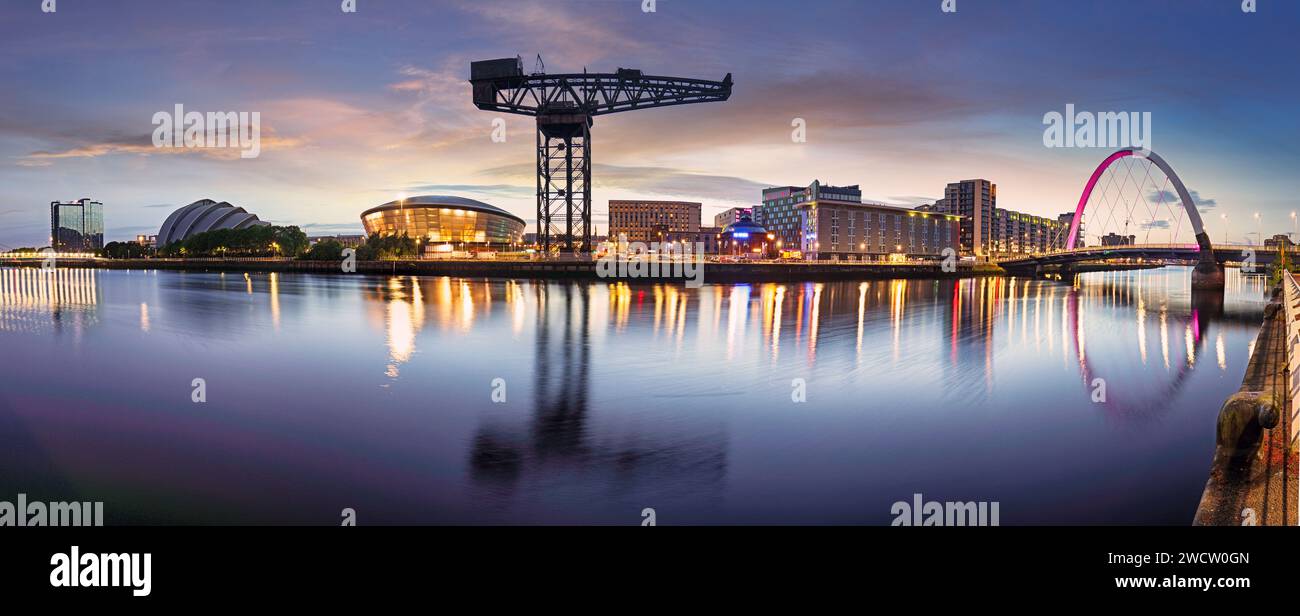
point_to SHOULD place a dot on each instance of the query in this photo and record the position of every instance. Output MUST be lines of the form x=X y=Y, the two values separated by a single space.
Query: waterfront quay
x=1253 y=477
x=713 y=271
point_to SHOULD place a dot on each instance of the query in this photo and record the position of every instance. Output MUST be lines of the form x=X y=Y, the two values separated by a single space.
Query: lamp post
x=1259 y=229
x=1225 y=227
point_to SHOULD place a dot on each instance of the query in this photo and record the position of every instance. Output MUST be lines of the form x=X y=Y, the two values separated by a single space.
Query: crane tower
x=564 y=105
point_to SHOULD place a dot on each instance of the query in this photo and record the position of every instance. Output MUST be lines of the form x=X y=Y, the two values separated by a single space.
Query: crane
x=564 y=105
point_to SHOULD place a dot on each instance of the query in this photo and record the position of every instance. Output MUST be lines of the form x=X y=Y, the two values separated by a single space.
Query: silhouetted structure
x=564 y=106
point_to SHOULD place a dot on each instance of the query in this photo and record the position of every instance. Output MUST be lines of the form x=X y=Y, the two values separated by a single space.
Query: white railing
x=1138 y=248
x=1291 y=303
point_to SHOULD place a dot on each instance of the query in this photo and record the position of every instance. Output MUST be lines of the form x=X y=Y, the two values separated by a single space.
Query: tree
x=387 y=248
x=324 y=250
x=126 y=250
x=255 y=241
x=291 y=241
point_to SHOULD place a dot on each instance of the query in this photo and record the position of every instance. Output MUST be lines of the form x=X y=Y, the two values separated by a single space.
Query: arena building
x=204 y=215
x=462 y=223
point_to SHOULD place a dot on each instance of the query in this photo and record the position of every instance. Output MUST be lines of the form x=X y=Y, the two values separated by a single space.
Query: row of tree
x=268 y=241
x=376 y=248
x=126 y=250
x=256 y=241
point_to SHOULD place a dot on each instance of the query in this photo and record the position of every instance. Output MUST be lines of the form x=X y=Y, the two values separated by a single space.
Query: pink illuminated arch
x=1193 y=215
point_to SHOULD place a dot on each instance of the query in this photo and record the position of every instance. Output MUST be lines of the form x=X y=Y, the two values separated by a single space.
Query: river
x=440 y=400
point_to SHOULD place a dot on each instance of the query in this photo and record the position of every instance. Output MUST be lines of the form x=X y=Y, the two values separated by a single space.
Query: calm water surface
x=375 y=393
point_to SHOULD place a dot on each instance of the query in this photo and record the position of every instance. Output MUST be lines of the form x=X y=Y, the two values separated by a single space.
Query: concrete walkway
x=1260 y=488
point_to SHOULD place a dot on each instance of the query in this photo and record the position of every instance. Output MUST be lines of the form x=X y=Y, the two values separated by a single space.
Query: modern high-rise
x=974 y=201
x=987 y=230
x=76 y=226
x=652 y=221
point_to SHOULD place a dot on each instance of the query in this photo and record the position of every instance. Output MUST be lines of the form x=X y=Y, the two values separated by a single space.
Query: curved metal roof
x=744 y=225
x=447 y=201
x=204 y=215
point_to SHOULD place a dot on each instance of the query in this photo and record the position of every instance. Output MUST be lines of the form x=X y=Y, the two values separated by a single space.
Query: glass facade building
x=446 y=220
x=76 y=226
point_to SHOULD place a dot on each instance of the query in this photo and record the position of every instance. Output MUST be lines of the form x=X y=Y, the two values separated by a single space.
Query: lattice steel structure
x=564 y=106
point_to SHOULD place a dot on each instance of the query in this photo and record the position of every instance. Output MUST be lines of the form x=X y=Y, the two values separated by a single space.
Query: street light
x=1259 y=229
x=1225 y=227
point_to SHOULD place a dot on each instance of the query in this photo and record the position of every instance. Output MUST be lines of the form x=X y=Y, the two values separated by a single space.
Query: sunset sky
x=899 y=97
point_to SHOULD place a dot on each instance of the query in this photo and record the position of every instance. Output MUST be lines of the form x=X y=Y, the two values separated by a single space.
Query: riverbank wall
x=1253 y=475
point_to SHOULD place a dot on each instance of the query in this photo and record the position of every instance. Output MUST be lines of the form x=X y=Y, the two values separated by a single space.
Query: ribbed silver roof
x=204 y=215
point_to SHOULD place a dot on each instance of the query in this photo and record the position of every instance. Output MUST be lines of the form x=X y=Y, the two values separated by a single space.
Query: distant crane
x=564 y=106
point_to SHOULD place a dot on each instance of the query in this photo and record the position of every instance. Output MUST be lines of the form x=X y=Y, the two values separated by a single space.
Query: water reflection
x=36 y=300
x=623 y=396
x=556 y=445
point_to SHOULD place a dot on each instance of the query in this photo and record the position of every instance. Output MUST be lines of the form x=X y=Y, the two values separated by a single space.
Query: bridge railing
x=1119 y=250
x=1291 y=300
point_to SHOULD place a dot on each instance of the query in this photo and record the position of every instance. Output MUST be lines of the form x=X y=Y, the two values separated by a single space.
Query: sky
x=897 y=96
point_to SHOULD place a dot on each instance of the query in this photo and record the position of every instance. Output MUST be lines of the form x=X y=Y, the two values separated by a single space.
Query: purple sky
x=899 y=97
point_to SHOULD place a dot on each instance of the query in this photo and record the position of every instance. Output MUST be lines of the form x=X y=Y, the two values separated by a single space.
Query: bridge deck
x=1222 y=253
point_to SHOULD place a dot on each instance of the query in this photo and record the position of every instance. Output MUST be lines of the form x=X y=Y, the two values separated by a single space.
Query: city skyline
x=360 y=109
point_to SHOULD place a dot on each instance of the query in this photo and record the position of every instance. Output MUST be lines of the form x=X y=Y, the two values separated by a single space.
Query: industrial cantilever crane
x=564 y=106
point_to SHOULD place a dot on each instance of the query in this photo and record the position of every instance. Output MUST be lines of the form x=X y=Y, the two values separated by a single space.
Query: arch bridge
x=1208 y=259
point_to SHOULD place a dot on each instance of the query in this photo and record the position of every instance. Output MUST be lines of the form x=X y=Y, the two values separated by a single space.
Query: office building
x=76 y=226
x=1281 y=240
x=1065 y=220
x=1020 y=233
x=832 y=223
x=346 y=240
x=652 y=221
x=734 y=214
x=707 y=238
x=1115 y=239
x=783 y=207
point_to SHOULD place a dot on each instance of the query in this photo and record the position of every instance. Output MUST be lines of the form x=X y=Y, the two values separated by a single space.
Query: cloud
x=1167 y=196
x=501 y=190
x=131 y=230
x=661 y=181
x=670 y=181
x=908 y=200
x=1155 y=224
x=331 y=226
x=580 y=34
x=142 y=145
